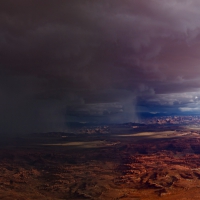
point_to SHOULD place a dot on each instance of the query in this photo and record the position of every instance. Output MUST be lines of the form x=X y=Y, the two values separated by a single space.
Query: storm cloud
x=96 y=61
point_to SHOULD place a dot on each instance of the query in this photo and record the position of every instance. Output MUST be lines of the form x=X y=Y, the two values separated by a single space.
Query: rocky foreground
x=113 y=168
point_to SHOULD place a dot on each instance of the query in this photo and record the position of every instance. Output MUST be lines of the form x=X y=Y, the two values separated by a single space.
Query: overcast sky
x=96 y=61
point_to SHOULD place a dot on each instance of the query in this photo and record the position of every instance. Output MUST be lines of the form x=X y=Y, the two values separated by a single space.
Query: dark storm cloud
x=75 y=60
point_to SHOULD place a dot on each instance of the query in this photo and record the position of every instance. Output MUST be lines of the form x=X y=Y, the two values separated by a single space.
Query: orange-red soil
x=138 y=170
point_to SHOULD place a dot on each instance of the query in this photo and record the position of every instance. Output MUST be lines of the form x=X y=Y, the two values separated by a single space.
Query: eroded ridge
x=163 y=166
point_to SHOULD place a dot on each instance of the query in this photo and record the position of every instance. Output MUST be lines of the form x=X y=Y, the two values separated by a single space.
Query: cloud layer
x=96 y=61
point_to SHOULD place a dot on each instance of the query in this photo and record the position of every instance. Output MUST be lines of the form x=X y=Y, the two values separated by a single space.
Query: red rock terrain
x=118 y=169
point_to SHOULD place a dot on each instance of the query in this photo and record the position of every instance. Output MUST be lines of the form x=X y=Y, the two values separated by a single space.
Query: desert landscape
x=125 y=162
x=100 y=100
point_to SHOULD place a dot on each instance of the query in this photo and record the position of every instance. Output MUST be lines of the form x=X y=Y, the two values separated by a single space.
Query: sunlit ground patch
x=91 y=144
x=163 y=134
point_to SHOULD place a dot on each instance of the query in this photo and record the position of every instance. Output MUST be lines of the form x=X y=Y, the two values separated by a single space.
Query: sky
x=102 y=61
